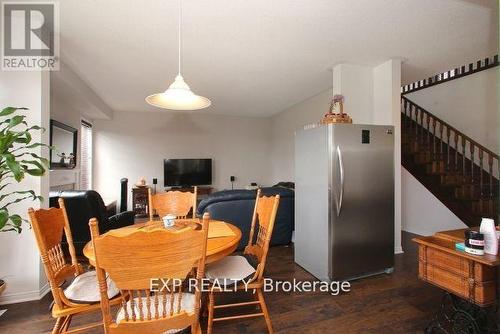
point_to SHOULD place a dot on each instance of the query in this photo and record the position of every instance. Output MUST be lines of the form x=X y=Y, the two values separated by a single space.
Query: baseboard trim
x=27 y=296
x=398 y=250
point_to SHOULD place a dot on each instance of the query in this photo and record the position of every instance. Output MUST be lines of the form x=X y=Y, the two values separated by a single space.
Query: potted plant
x=17 y=160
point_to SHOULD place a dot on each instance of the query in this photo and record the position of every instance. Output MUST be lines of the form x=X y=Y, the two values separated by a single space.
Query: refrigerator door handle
x=341 y=168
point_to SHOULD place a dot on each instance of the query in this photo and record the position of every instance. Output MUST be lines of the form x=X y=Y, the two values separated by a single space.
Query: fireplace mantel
x=64 y=179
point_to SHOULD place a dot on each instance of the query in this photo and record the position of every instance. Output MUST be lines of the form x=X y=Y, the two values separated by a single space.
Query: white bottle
x=489 y=231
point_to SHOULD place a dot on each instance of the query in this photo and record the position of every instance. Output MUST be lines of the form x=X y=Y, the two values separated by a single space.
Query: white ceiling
x=259 y=57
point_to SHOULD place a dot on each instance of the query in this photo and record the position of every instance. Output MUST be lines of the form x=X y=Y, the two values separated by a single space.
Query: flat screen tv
x=187 y=172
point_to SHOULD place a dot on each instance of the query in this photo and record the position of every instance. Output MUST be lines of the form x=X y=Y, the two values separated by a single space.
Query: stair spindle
x=490 y=165
x=405 y=108
x=471 y=162
x=456 y=151
x=448 y=148
x=421 y=126
x=441 y=129
x=411 y=117
x=428 y=120
x=481 y=173
x=463 y=158
x=434 y=139
x=416 y=123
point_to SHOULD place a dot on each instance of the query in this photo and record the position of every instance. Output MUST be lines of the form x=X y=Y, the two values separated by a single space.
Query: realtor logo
x=30 y=36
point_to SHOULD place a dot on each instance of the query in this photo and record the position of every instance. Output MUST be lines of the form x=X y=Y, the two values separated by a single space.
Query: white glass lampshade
x=178 y=96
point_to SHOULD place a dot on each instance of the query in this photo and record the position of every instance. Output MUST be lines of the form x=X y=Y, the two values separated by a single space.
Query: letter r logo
x=28 y=29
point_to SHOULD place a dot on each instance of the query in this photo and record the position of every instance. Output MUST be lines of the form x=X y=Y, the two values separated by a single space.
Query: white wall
x=134 y=145
x=470 y=104
x=355 y=83
x=283 y=127
x=20 y=263
x=422 y=212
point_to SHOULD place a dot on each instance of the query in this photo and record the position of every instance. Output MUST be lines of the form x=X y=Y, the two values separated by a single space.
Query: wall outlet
x=232 y=178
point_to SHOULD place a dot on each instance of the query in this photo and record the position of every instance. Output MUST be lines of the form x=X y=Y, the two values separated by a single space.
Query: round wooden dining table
x=220 y=243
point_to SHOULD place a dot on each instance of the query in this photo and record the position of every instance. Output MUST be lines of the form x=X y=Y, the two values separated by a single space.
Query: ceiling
x=258 y=57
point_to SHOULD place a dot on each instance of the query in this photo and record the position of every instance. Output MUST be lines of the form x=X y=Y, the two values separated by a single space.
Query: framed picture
x=64 y=140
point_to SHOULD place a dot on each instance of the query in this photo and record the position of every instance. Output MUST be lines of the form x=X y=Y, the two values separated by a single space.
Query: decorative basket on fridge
x=336 y=113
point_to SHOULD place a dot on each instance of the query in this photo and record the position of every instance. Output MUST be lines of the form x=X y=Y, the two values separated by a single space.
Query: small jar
x=474 y=242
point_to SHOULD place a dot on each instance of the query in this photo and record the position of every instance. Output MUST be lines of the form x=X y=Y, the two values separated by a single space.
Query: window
x=86 y=156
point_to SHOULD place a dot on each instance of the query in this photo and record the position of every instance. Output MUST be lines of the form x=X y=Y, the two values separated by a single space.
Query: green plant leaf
x=19 y=200
x=24 y=138
x=43 y=160
x=24 y=192
x=16 y=220
x=38 y=144
x=15 y=167
x=16 y=120
x=4 y=217
x=10 y=110
x=35 y=172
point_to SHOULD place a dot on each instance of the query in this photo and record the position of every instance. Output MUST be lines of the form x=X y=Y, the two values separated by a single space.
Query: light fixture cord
x=180 y=32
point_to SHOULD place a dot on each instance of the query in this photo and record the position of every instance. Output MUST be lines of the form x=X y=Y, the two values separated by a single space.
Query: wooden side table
x=140 y=201
x=471 y=284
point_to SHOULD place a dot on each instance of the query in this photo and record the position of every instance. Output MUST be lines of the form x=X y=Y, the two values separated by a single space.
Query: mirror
x=64 y=140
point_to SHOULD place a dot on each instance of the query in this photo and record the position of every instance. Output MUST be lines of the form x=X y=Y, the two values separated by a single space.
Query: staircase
x=460 y=172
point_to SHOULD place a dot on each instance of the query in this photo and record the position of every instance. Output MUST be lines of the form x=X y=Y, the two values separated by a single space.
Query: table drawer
x=460 y=276
x=458 y=265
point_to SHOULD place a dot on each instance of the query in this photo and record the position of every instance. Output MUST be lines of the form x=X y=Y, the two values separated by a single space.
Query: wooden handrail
x=452 y=128
x=456 y=73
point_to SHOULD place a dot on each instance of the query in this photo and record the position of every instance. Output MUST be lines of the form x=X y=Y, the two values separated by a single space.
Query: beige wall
x=133 y=145
x=283 y=126
x=470 y=104
x=20 y=263
x=422 y=212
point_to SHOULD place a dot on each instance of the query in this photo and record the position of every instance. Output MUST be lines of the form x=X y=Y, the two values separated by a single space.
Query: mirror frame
x=54 y=123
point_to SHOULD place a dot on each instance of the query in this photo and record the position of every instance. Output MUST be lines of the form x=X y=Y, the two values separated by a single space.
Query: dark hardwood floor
x=396 y=303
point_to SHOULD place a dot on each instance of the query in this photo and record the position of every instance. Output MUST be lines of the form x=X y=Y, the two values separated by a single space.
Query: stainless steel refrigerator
x=344 y=200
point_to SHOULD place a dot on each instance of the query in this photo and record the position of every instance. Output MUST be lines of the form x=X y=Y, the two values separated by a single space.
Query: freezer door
x=311 y=201
x=362 y=200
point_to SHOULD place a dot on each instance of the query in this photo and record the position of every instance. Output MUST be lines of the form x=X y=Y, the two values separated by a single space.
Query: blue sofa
x=236 y=207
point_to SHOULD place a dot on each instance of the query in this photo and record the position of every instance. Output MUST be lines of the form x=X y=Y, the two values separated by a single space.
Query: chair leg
x=196 y=329
x=66 y=323
x=211 y=309
x=265 y=311
x=58 y=325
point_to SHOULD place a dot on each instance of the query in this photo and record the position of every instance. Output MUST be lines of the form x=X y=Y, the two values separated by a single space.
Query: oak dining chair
x=136 y=260
x=175 y=202
x=82 y=294
x=249 y=268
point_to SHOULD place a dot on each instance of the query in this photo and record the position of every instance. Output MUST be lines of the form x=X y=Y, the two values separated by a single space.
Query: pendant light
x=178 y=96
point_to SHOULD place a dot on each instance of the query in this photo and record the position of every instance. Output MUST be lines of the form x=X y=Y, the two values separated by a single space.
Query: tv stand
x=202 y=190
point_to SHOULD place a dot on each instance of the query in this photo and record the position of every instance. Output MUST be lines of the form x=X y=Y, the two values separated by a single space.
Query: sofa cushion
x=237 y=206
x=242 y=194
